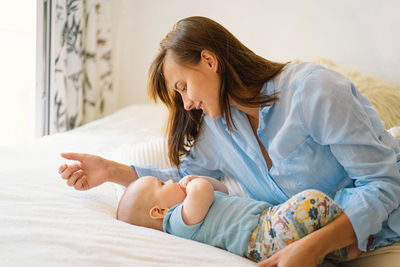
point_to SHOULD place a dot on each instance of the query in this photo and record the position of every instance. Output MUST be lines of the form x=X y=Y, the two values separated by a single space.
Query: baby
x=199 y=208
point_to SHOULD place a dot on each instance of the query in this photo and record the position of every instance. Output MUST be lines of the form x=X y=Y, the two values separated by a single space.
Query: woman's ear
x=210 y=59
x=157 y=212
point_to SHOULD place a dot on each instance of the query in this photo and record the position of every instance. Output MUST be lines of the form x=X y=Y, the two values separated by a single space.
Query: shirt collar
x=267 y=89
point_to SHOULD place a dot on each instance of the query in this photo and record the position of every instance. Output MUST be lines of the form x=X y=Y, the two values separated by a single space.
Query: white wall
x=357 y=34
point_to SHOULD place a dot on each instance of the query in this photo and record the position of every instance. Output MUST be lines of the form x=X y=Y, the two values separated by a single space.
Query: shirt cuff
x=359 y=218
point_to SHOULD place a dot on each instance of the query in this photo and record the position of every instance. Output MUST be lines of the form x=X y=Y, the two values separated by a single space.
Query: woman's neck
x=251 y=112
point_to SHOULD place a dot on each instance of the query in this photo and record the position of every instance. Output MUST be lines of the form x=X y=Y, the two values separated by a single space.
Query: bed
x=46 y=223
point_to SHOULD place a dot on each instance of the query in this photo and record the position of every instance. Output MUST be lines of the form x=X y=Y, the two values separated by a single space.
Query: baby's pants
x=301 y=215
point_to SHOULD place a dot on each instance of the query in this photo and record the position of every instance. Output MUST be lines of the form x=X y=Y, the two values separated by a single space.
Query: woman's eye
x=184 y=89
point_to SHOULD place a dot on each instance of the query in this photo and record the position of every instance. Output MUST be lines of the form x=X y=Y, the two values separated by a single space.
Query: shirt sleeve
x=330 y=109
x=204 y=157
x=164 y=174
x=174 y=224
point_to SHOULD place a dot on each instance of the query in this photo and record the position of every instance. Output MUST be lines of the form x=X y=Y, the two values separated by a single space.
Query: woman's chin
x=215 y=117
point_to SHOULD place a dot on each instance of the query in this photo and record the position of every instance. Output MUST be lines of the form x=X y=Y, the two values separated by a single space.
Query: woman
x=276 y=128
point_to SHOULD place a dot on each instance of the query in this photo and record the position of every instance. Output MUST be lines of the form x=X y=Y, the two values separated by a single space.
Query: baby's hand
x=186 y=180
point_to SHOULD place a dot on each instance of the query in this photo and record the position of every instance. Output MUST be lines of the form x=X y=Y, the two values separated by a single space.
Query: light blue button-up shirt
x=322 y=134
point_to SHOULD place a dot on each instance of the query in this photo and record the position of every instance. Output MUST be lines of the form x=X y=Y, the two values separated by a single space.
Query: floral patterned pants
x=301 y=215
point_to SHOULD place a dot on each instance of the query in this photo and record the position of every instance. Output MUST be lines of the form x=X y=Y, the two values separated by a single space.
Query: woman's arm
x=313 y=247
x=90 y=171
x=121 y=174
x=336 y=116
x=339 y=118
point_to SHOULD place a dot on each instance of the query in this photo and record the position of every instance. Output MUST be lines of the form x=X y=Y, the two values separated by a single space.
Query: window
x=18 y=71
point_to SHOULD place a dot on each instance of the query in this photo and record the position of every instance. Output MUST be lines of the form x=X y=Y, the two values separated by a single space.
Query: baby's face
x=166 y=194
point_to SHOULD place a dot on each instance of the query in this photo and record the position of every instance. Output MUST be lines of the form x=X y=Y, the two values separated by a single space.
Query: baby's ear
x=157 y=212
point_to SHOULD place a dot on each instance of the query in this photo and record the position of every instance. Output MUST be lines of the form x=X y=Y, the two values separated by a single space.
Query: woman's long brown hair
x=242 y=74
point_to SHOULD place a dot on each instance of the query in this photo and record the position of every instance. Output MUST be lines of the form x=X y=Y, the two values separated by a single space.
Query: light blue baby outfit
x=255 y=229
x=321 y=134
x=227 y=225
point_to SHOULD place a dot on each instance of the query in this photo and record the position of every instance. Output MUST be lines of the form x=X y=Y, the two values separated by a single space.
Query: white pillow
x=155 y=152
x=395 y=131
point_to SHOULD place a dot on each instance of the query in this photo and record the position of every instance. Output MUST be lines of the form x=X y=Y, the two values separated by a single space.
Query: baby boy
x=200 y=209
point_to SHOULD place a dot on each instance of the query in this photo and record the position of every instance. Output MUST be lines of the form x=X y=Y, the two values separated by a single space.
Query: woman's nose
x=188 y=103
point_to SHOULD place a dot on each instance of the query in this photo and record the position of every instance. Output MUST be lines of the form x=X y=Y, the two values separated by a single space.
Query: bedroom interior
x=46 y=223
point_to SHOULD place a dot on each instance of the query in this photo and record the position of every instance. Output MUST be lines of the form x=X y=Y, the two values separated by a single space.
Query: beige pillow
x=383 y=95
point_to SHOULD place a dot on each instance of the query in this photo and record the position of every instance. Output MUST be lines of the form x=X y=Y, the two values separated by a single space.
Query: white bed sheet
x=43 y=222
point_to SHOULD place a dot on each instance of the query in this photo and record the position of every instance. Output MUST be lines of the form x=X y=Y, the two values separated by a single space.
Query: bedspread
x=43 y=222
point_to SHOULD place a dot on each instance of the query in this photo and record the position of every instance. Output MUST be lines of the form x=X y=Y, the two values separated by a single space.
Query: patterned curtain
x=80 y=63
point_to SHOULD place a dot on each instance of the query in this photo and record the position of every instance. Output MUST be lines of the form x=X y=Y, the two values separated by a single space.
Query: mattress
x=43 y=222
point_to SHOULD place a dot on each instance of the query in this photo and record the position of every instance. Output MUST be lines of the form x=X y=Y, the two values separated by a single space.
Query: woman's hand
x=89 y=172
x=297 y=254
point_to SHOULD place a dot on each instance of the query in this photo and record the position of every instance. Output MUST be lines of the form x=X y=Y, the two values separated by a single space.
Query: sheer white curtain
x=80 y=63
x=17 y=71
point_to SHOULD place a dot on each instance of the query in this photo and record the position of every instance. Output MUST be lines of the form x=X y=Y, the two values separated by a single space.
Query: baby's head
x=147 y=200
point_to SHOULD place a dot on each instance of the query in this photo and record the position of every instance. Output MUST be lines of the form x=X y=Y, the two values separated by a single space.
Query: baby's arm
x=199 y=197
x=217 y=185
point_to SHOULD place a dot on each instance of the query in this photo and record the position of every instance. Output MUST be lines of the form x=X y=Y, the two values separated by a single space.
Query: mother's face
x=198 y=85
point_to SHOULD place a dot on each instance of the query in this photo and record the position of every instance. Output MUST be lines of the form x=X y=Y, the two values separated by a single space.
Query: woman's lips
x=202 y=106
